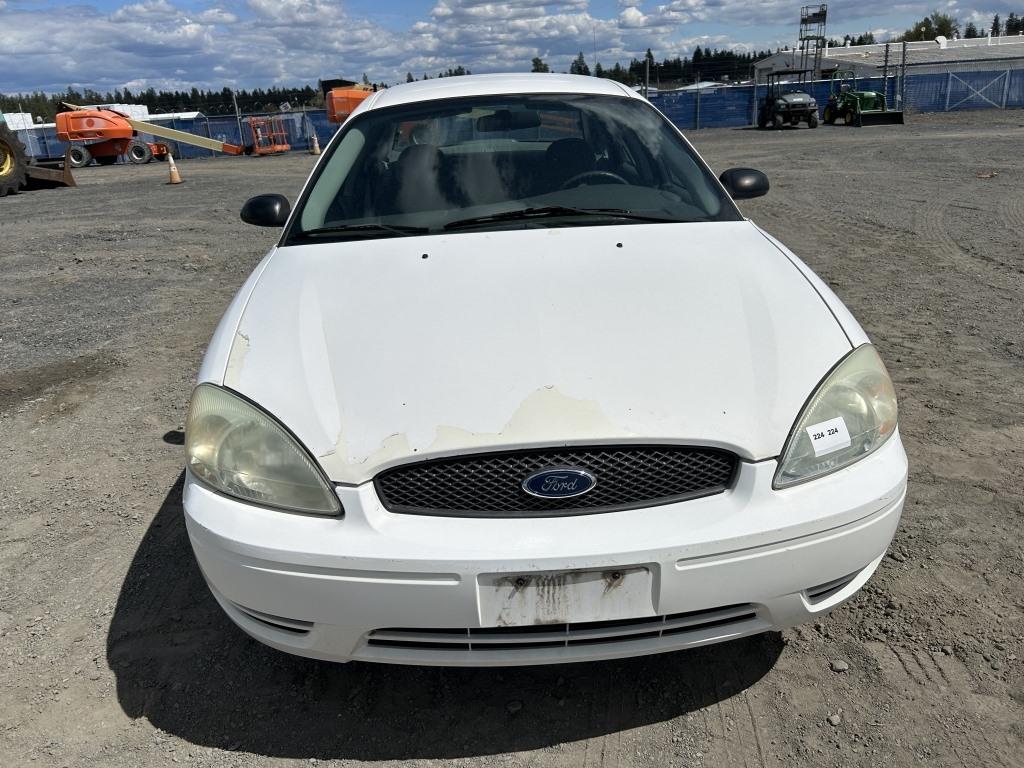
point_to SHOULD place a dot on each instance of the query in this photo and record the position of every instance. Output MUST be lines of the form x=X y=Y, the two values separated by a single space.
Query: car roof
x=493 y=85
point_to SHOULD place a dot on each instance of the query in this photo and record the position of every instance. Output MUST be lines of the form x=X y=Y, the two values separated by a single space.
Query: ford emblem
x=559 y=483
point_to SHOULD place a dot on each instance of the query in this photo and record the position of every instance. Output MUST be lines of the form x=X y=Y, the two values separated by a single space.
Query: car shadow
x=180 y=663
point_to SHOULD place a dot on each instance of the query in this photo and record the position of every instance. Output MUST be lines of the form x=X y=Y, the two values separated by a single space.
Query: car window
x=427 y=167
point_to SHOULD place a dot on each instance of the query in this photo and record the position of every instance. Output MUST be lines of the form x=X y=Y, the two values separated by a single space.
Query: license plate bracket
x=564 y=597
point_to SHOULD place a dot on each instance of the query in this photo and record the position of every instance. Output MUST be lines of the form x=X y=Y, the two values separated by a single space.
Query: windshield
x=501 y=162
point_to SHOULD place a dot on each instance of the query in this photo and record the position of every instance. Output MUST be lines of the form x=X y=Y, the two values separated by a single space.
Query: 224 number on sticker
x=829 y=436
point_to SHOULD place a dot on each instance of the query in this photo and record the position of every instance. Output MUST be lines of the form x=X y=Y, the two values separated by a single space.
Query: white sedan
x=519 y=384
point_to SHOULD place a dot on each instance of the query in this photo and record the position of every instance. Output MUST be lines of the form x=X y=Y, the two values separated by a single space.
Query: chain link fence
x=925 y=83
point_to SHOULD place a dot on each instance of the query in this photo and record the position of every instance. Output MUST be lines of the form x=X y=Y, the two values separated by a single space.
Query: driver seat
x=566 y=158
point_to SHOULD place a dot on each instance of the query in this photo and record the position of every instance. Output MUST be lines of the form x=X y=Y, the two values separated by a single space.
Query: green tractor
x=853 y=107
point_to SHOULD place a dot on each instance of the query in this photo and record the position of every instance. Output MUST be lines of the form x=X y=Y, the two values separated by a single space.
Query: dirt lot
x=113 y=652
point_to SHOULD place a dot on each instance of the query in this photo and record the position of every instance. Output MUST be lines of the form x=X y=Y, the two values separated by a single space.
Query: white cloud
x=148 y=10
x=216 y=16
x=287 y=42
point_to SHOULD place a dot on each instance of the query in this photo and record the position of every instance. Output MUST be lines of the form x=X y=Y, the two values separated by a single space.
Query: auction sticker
x=829 y=436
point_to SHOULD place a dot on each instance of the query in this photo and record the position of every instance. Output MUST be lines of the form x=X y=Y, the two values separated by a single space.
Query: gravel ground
x=113 y=652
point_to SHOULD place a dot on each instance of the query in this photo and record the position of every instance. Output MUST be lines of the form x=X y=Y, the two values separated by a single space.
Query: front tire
x=80 y=156
x=829 y=116
x=139 y=153
x=13 y=162
x=849 y=117
x=778 y=121
x=812 y=120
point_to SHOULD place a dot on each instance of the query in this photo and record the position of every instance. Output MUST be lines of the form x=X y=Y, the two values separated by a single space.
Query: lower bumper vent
x=491 y=639
x=292 y=626
x=823 y=592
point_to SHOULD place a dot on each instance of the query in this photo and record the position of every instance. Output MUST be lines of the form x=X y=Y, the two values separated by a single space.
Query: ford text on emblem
x=559 y=483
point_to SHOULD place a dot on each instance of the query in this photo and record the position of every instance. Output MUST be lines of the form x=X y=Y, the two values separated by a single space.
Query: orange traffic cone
x=175 y=176
x=316 y=146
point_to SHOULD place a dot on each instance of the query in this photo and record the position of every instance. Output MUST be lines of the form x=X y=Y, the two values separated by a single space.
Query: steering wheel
x=580 y=177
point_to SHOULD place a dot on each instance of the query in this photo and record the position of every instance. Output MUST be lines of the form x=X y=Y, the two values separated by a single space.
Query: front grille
x=493 y=639
x=490 y=484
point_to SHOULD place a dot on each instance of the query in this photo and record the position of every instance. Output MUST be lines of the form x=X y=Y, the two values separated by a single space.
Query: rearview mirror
x=507 y=120
x=743 y=183
x=266 y=210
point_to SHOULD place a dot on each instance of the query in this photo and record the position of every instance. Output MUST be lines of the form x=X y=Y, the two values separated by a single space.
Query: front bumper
x=377 y=586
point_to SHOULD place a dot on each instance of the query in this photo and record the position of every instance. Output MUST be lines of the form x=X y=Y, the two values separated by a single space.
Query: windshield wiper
x=552 y=211
x=367 y=229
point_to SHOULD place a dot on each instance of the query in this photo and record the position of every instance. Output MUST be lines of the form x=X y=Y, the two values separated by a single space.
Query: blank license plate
x=562 y=597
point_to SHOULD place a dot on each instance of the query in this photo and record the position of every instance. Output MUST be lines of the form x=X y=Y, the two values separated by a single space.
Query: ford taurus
x=519 y=384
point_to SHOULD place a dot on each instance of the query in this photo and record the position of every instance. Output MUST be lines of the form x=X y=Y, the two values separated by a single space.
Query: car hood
x=375 y=353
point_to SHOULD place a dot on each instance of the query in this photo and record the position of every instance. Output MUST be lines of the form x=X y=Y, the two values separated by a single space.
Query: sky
x=48 y=45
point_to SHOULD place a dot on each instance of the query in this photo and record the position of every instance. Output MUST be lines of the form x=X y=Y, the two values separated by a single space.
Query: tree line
x=704 y=64
x=938 y=23
x=209 y=102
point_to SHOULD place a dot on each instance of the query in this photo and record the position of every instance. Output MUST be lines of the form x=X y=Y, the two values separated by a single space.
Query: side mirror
x=743 y=183
x=266 y=210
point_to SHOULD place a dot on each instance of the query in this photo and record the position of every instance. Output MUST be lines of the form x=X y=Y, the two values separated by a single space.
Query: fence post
x=696 y=116
x=885 y=77
x=238 y=117
x=903 y=77
x=209 y=135
x=181 y=148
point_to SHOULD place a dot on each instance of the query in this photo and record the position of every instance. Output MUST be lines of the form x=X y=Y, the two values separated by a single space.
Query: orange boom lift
x=342 y=102
x=105 y=134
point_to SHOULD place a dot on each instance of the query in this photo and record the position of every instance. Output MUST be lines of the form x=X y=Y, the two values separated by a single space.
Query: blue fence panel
x=977 y=90
x=1015 y=90
x=718 y=107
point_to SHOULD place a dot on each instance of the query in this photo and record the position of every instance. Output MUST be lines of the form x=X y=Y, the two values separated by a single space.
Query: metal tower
x=812 y=36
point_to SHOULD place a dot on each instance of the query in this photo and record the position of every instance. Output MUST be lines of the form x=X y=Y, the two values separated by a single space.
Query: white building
x=930 y=56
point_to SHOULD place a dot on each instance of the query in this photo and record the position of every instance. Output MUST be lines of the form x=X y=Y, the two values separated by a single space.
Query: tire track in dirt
x=736 y=737
x=930 y=222
x=1012 y=209
x=923 y=677
x=604 y=751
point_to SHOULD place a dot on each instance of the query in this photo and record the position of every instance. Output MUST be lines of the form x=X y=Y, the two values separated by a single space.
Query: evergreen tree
x=931 y=27
x=579 y=66
x=996 y=26
x=539 y=65
x=971 y=31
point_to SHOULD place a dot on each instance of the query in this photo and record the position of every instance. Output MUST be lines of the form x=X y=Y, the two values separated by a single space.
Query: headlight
x=851 y=414
x=237 y=449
